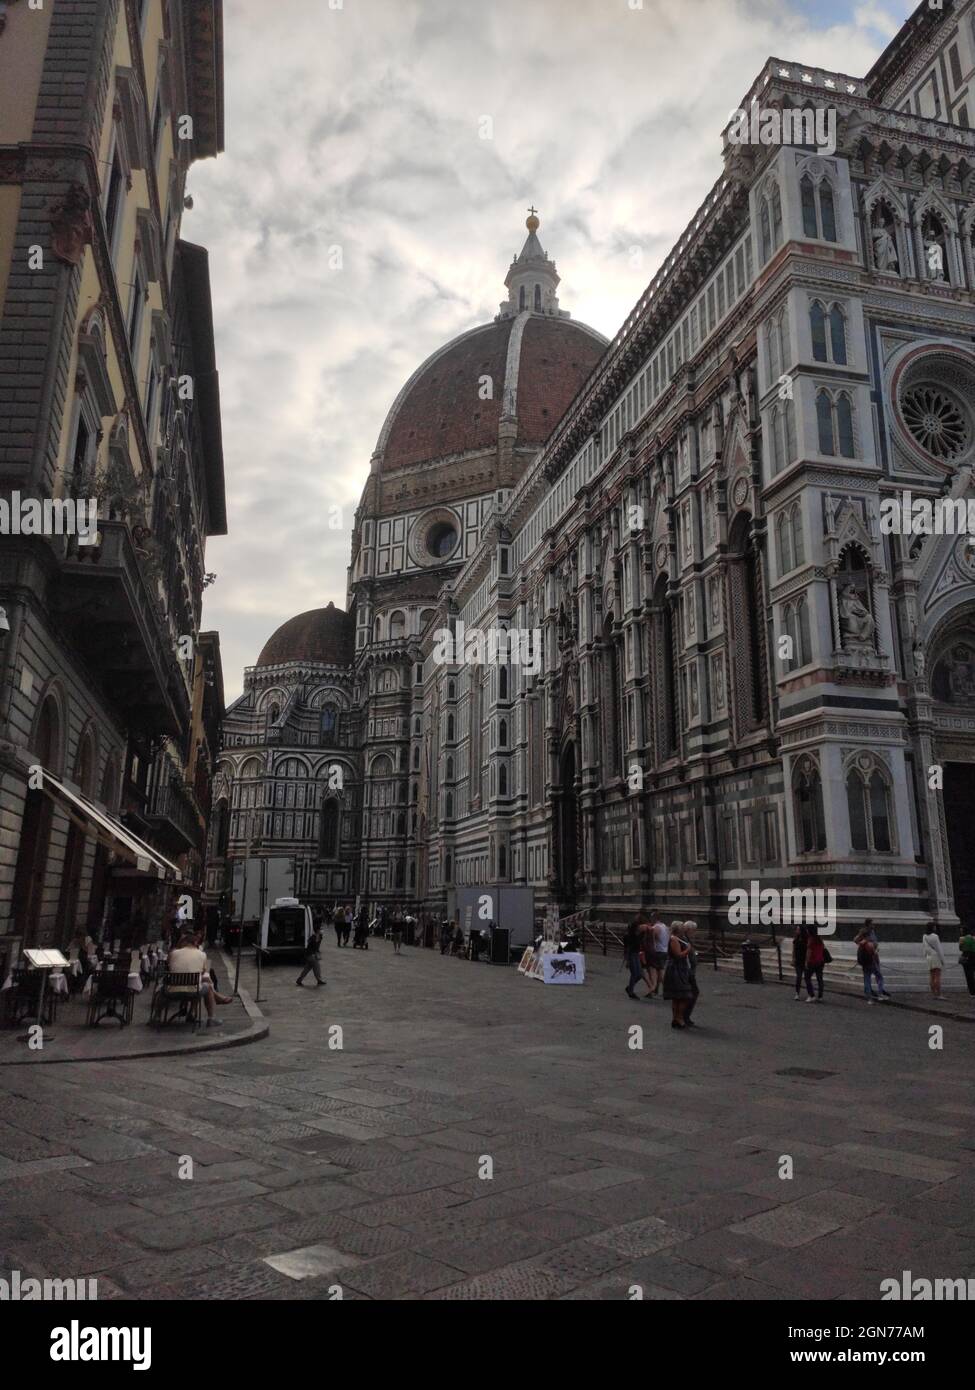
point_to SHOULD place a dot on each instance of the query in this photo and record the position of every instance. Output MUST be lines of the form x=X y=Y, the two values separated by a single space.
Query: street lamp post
x=243 y=898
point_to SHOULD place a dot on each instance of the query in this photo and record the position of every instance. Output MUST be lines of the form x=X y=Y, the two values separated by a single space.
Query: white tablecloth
x=58 y=983
x=134 y=984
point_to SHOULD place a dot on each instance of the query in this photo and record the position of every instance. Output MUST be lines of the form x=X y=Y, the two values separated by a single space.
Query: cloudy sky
x=360 y=125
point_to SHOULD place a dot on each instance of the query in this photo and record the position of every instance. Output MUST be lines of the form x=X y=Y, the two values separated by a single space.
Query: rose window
x=936 y=421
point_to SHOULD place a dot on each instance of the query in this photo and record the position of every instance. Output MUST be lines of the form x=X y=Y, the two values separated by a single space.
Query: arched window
x=377 y=628
x=771 y=220
x=798 y=544
x=818 y=209
x=416 y=759
x=868 y=803
x=502 y=780
x=522 y=300
x=538 y=299
x=778 y=331
x=795 y=620
x=503 y=683
x=665 y=682
x=837 y=335
x=330 y=829
x=503 y=734
x=807 y=790
x=817 y=323
x=397 y=625
x=451 y=691
x=783 y=534
x=450 y=728
x=844 y=425
x=810 y=222
x=329 y=726
x=450 y=769
x=449 y=805
x=448 y=863
x=824 y=422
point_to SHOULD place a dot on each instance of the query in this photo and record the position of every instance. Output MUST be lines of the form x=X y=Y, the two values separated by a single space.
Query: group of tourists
x=665 y=960
x=810 y=956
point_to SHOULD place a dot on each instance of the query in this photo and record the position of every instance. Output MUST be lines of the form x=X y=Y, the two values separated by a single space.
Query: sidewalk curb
x=260 y=1028
x=845 y=992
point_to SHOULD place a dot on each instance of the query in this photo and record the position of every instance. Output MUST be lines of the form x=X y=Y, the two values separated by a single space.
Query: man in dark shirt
x=311 y=957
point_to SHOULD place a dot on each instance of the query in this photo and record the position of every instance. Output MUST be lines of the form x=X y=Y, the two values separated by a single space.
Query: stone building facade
x=109 y=695
x=738 y=669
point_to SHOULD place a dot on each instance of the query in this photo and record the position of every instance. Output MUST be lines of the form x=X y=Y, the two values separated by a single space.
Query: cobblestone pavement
x=361 y=1169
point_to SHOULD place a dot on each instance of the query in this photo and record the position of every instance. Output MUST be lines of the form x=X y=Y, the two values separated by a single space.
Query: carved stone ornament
x=71 y=225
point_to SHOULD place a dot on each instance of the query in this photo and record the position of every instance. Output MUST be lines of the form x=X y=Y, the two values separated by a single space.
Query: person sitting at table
x=186 y=958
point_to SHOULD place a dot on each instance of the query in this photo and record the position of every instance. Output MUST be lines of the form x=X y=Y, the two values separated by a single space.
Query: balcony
x=173 y=815
x=110 y=614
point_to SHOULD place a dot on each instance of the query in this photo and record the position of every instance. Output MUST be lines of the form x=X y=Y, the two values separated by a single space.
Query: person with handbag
x=966 y=958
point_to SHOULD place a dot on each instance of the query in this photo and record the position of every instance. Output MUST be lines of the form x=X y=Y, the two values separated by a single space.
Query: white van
x=286 y=929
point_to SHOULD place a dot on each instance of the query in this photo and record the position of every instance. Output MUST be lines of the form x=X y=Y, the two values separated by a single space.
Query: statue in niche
x=934 y=248
x=884 y=246
x=857 y=626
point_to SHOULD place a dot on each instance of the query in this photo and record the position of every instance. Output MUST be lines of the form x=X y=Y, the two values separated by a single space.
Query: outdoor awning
x=106 y=828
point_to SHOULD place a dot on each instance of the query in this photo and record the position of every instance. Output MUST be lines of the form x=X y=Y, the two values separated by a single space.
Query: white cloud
x=359 y=128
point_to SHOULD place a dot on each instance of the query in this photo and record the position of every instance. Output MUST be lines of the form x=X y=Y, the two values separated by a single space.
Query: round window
x=937 y=421
x=441 y=540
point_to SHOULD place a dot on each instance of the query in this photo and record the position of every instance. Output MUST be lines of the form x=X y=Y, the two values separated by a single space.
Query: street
x=424 y=1127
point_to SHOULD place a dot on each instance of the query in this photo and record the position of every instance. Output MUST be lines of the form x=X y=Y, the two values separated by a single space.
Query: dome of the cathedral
x=323 y=635
x=523 y=369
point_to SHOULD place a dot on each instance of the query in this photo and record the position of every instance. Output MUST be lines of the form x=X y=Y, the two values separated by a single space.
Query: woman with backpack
x=966 y=958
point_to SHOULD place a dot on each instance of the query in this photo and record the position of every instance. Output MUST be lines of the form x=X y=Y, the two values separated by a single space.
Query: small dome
x=323 y=635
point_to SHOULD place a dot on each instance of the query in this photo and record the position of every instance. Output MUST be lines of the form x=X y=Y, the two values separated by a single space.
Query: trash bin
x=501 y=946
x=751 y=959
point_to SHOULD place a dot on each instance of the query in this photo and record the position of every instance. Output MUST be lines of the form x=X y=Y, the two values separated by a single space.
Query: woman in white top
x=935 y=957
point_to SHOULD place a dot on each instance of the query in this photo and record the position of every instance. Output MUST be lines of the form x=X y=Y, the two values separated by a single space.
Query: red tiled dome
x=440 y=412
x=322 y=635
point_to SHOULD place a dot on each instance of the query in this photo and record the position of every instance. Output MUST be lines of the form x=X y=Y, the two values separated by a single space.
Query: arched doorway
x=74 y=850
x=568 y=823
x=35 y=830
x=953 y=692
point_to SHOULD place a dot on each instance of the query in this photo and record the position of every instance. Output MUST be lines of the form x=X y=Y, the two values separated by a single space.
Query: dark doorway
x=35 y=832
x=959 y=804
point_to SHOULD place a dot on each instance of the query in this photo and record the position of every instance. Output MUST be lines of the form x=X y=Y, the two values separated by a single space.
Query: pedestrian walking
x=396 y=931
x=635 y=943
x=446 y=934
x=312 y=965
x=360 y=936
x=816 y=954
x=966 y=958
x=677 y=977
x=935 y=957
x=659 y=945
x=687 y=936
x=868 y=959
x=799 y=943
x=350 y=916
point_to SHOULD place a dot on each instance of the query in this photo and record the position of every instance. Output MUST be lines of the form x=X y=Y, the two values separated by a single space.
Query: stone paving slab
x=616 y=1173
